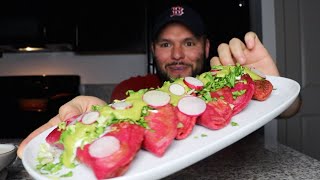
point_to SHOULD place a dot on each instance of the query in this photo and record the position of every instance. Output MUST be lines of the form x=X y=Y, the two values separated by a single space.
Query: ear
x=207 y=48
x=152 y=48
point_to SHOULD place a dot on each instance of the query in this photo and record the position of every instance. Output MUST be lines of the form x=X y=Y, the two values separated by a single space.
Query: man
x=179 y=46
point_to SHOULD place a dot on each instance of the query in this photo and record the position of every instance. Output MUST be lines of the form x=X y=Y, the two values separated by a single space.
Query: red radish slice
x=79 y=118
x=177 y=89
x=90 y=117
x=104 y=146
x=193 y=83
x=74 y=119
x=156 y=98
x=214 y=71
x=259 y=73
x=192 y=105
x=191 y=92
x=121 y=105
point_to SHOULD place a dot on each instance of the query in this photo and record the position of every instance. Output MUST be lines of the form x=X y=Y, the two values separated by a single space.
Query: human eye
x=164 y=44
x=189 y=43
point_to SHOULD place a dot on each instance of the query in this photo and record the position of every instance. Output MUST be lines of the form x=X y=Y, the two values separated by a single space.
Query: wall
x=93 y=69
x=298 y=39
x=99 y=73
x=269 y=41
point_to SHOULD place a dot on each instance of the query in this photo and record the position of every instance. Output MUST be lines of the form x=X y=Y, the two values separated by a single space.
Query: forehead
x=174 y=27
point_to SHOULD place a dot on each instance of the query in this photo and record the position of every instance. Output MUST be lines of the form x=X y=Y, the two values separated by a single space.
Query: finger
x=52 y=122
x=215 y=61
x=237 y=48
x=78 y=105
x=224 y=54
x=69 y=110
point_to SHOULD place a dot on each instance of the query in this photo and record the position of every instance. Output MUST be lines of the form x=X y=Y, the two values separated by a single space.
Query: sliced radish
x=259 y=73
x=74 y=119
x=104 y=147
x=79 y=118
x=90 y=117
x=214 y=71
x=192 y=105
x=177 y=89
x=193 y=83
x=121 y=105
x=191 y=92
x=156 y=98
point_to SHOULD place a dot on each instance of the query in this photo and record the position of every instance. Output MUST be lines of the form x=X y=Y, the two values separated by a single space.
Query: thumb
x=68 y=111
x=215 y=61
x=77 y=106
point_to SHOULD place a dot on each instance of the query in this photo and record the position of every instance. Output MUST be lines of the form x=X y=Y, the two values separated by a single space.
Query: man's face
x=178 y=53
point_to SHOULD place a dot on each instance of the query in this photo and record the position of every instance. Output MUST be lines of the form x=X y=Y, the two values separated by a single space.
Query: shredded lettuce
x=48 y=160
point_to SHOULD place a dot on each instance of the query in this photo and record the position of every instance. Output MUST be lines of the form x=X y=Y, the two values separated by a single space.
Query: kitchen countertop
x=245 y=159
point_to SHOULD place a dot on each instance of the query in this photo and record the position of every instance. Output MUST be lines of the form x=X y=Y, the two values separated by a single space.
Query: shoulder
x=135 y=83
x=141 y=82
x=152 y=77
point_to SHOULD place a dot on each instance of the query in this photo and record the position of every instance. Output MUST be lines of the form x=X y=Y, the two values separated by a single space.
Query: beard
x=164 y=76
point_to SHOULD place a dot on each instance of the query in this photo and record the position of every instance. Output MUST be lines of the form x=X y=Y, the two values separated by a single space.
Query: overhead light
x=241 y=3
x=29 y=49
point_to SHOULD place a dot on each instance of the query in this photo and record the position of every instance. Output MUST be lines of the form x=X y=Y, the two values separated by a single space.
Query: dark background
x=110 y=28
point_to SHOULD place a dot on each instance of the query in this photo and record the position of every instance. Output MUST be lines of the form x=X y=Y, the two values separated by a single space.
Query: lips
x=177 y=67
x=176 y=71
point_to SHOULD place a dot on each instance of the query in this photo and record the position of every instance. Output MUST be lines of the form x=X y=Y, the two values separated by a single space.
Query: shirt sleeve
x=134 y=83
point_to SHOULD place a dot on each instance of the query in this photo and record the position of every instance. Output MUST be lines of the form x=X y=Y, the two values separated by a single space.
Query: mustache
x=177 y=63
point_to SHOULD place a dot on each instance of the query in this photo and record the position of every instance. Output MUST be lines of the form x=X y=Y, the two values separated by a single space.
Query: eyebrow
x=186 y=39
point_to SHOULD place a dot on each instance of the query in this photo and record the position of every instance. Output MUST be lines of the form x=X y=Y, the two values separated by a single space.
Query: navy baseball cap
x=182 y=14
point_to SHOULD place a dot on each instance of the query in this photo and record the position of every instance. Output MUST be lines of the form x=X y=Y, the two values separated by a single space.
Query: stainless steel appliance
x=27 y=102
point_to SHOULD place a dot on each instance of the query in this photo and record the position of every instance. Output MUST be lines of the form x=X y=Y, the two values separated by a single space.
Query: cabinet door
x=21 y=23
x=298 y=58
x=115 y=28
x=60 y=24
x=36 y=23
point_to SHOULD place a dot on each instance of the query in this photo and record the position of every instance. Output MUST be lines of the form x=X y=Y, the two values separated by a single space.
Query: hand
x=250 y=53
x=76 y=106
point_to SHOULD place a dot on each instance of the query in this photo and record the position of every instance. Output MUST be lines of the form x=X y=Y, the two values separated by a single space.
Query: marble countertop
x=245 y=159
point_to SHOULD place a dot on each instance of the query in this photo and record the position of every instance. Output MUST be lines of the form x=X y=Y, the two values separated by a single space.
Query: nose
x=177 y=53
